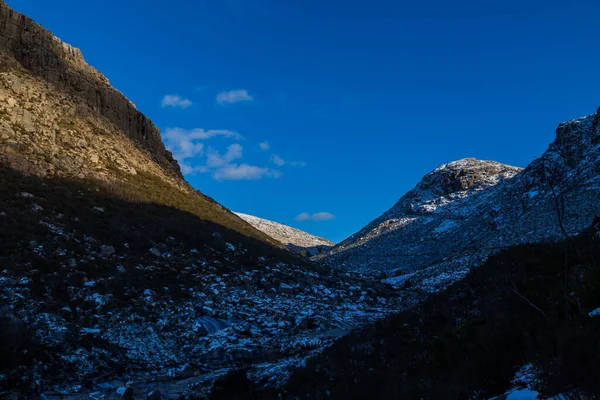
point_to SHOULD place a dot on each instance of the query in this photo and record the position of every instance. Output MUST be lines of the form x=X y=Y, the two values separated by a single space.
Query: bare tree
x=555 y=176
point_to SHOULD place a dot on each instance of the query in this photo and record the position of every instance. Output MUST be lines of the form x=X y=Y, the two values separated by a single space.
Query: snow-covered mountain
x=295 y=239
x=463 y=211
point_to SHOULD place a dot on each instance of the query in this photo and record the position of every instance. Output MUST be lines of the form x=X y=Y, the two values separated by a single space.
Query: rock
x=154 y=395
x=186 y=371
x=125 y=392
x=27 y=195
x=285 y=288
x=155 y=252
x=13 y=333
x=33 y=244
x=107 y=251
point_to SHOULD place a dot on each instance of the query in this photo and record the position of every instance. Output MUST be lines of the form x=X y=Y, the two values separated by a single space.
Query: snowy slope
x=464 y=211
x=295 y=239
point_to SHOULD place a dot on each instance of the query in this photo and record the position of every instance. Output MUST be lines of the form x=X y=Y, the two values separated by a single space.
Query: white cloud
x=302 y=217
x=188 y=169
x=234 y=172
x=196 y=158
x=275 y=159
x=233 y=96
x=215 y=160
x=174 y=101
x=265 y=146
x=297 y=163
x=186 y=143
x=320 y=216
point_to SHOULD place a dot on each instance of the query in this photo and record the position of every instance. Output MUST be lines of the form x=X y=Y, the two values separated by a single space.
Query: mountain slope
x=476 y=339
x=445 y=226
x=116 y=272
x=60 y=117
x=294 y=239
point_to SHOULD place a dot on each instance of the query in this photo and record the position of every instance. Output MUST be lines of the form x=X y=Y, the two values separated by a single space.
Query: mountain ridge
x=295 y=239
x=59 y=116
x=63 y=65
x=426 y=235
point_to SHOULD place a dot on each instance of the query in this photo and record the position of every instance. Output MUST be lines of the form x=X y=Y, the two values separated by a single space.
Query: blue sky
x=321 y=114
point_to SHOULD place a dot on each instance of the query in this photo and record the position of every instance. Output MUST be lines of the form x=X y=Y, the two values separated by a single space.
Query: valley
x=119 y=279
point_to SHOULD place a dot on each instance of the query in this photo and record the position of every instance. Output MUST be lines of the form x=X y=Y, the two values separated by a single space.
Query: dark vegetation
x=92 y=216
x=145 y=187
x=136 y=215
x=468 y=341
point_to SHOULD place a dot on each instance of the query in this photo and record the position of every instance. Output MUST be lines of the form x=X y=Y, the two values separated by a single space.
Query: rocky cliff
x=466 y=210
x=63 y=67
x=59 y=117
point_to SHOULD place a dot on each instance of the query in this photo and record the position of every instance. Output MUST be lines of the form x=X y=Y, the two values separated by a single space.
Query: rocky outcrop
x=463 y=211
x=63 y=66
x=295 y=239
x=60 y=118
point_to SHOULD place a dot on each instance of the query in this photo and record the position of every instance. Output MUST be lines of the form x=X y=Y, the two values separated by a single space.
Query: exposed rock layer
x=63 y=66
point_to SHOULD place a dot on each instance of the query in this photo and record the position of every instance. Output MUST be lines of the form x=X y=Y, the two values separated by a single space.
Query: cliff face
x=60 y=118
x=39 y=52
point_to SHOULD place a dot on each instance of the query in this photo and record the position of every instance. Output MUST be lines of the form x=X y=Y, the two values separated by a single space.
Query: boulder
x=107 y=251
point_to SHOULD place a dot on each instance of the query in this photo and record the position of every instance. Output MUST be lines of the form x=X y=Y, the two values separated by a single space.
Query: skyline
x=322 y=116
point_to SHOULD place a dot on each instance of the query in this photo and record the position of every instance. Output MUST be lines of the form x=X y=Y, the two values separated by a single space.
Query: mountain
x=60 y=117
x=463 y=211
x=518 y=325
x=116 y=275
x=295 y=239
x=120 y=280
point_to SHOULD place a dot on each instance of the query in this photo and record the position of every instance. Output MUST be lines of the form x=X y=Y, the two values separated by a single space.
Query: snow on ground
x=294 y=238
x=176 y=314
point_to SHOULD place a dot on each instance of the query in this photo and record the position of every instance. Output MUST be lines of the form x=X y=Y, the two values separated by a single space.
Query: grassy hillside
x=137 y=212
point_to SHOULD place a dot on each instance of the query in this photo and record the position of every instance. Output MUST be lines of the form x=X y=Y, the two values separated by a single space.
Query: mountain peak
x=452 y=181
x=467 y=173
x=465 y=210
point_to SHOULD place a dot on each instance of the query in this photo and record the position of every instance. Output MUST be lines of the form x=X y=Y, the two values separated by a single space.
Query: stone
x=284 y=288
x=155 y=252
x=154 y=395
x=13 y=332
x=186 y=371
x=107 y=251
x=125 y=392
